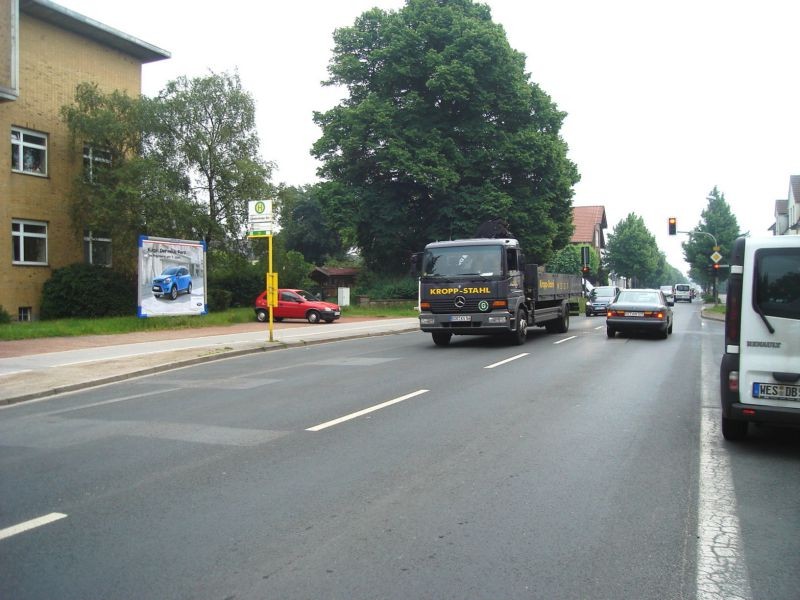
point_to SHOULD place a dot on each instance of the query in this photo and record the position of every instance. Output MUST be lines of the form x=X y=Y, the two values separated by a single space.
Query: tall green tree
x=441 y=131
x=718 y=223
x=206 y=136
x=568 y=260
x=304 y=226
x=632 y=251
x=122 y=191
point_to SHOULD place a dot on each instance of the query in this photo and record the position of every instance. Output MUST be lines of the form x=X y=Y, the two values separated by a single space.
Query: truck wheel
x=562 y=325
x=733 y=430
x=441 y=338
x=520 y=335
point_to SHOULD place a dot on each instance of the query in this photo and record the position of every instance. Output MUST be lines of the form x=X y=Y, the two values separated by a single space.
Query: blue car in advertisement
x=173 y=281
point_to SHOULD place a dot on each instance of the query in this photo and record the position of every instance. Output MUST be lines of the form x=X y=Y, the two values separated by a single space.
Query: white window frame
x=20 y=236
x=91 y=157
x=20 y=143
x=92 y=239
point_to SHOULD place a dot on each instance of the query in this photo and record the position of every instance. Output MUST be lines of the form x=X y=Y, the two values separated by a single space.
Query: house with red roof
x=589 y=221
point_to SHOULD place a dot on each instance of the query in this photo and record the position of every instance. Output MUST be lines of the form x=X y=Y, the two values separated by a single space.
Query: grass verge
x=113 y=325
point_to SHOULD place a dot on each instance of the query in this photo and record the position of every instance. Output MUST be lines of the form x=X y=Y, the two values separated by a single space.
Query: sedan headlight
x=326 y=309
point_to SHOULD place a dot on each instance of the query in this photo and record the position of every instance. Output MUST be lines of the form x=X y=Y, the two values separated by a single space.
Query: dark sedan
x=639 y=311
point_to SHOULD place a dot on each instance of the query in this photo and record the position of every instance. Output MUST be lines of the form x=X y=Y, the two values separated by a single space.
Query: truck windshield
x=455 y=261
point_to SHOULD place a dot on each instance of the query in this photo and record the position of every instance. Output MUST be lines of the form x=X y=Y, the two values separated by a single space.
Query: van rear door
x=769 y=363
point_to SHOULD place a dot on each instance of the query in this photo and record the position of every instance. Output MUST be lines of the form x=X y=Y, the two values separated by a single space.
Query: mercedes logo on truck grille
x=460 y=301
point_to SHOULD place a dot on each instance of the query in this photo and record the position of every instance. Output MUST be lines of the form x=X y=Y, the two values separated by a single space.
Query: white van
x=683 y=292
x=760 y=370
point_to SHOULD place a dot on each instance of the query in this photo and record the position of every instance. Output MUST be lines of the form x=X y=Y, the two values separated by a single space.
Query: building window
x=24 y=313
x=93 y=160
x=96 y=249
x=30 y=242
x=28 y=151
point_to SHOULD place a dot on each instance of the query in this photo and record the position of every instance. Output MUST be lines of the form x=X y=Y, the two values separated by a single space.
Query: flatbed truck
x=482 y=286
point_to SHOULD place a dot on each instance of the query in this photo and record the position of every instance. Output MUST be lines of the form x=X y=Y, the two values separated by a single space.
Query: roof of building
x=64 y=18
x=585 y=219
x=337 y=271
x=794 y=187
x=781 y=207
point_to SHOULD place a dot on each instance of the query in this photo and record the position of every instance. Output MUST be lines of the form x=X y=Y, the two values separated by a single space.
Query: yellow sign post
x=260 y=223
x=272 y=286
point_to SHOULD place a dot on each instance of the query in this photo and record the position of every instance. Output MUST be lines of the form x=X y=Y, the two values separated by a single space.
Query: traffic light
x=673 y=225
x=716 y=267
x=584 y=269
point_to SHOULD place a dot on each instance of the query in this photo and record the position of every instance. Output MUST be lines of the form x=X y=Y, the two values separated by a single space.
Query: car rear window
x=776 y=282
x=682 y=288
x=638 y=297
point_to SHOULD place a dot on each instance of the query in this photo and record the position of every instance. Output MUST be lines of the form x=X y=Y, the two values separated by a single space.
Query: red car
x=297 y=304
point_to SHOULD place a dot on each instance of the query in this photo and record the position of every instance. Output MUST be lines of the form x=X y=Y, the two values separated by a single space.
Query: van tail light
x=733 y=381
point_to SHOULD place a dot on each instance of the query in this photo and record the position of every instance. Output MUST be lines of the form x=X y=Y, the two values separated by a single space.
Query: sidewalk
x=32 y=369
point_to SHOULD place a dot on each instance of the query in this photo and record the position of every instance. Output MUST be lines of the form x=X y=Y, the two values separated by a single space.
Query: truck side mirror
x=416 y=262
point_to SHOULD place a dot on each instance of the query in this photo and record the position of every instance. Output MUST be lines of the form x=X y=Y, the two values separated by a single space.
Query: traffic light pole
x=673 y=229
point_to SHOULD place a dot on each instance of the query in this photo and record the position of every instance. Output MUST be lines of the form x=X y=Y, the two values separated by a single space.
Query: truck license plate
x=461 y=317
x=776 y=391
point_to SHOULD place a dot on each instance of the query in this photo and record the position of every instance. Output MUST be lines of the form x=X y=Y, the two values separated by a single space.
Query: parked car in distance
x=297 y=304
x=669 y=294
x=639 y=311
x=683 y=292
x=172 y=281
x=760 y=369
x=599 y=298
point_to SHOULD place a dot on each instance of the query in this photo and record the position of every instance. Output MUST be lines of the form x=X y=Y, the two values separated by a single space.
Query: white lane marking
x=600 y=327
x=354 y=415
x=32 y=524
x=572 y=337
x=508 y=360
x=721 y=567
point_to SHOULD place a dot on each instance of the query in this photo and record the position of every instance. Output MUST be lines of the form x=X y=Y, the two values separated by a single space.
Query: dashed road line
x=360 y=413
x=508 y=360
x=32 y=524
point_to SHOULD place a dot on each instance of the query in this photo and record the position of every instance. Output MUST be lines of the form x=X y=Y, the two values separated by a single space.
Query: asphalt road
x=385 y=467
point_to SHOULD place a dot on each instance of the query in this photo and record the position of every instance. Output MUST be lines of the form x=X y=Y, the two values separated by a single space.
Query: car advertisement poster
x=172 y=277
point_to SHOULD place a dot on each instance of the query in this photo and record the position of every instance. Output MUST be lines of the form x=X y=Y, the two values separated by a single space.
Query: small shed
x=330 y=279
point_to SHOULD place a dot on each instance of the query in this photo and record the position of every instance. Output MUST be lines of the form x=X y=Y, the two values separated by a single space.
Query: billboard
x=172 y=277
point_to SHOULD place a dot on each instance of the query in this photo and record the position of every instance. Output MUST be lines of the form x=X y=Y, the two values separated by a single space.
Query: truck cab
x=481 y=286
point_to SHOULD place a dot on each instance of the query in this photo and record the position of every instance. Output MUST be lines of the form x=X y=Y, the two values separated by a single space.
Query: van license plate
x=461 y=317
x=776 y=391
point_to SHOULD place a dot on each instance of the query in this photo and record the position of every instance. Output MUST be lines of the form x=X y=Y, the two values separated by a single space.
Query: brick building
x=45 y=51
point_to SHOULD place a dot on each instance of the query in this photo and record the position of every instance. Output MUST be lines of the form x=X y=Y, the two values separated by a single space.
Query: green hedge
x=82 y=290
x=393 y=288
x=243 y=284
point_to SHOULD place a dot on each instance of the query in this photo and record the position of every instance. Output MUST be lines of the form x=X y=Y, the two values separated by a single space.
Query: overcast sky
x=664 y=100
